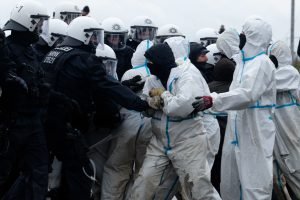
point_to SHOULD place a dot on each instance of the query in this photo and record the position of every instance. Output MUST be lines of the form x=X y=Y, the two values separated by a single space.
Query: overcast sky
x=189 y=15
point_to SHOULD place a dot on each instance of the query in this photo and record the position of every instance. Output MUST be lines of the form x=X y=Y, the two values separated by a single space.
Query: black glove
x=133 y=83
x=202 y=103
x=16 y=82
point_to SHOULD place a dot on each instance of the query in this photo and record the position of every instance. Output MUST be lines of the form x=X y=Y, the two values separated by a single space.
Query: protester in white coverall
x=170 y=184
x=179 y=136
x=248 y=147
x=180 y=48
x=129 y=147
x=287 y=117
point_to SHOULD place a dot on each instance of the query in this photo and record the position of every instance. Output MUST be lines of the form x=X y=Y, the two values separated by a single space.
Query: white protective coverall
x=170 y=184
x=180 y=49
x=129 y=147
x=287 y=118
x=247 y=170
x=179 y=137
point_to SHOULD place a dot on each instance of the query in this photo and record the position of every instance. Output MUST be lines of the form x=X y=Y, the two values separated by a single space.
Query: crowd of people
x=94 y=110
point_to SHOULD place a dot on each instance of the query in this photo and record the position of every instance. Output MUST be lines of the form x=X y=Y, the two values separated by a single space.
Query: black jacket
x=132 y=43
x=41 y=48
x=124 y=60
x=27 y=67
x=206 y=69
x=223 y=73
x=80 y=76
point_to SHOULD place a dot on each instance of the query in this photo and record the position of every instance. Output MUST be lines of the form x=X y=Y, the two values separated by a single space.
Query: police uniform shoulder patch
x=65 y=49
x=52 y=55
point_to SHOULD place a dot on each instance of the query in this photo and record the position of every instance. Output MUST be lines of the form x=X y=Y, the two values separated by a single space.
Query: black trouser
x=216 y=169
x=28 y=145
x=74 y=184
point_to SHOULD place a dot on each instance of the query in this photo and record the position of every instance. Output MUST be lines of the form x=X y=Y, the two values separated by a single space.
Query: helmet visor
x=116 y=41
x=42 y=28
x=161 y=39
x=96 y=39
x=111 y=67
x=144 y=33
x=208 y=41
x=68 y=16
x=40 y=24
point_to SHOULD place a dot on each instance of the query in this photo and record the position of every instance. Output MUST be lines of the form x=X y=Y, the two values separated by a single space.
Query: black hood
x=163 y=61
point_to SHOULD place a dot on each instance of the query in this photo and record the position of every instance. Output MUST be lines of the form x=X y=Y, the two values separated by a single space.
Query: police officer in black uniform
x=51 y=37
x=77 y=77
x=141 y=28
x=115 y=37
x=21 y=108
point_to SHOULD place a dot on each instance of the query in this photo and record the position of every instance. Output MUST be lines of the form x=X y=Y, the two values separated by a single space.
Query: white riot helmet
x=167 y=31
x=88 y=31
x=109 y=60
x=28 y=15
x=57 y=31
x=66 y=11
x=214 y=54
x=142 y=28
x=206 y=36
x=115 y=33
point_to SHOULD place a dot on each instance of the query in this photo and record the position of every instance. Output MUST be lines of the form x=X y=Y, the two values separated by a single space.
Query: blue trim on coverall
x=236 y=141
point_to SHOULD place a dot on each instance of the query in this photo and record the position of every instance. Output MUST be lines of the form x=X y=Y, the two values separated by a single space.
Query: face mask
x=153 y=68
x=274 y=60
x=242 y=40
x=161 y=72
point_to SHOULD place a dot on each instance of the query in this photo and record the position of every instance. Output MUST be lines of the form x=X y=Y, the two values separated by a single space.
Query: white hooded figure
x=247 y=155
x=287 y=117
x=179 y=138
x=170 y=185
x=180 y=48
x=128 y=149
